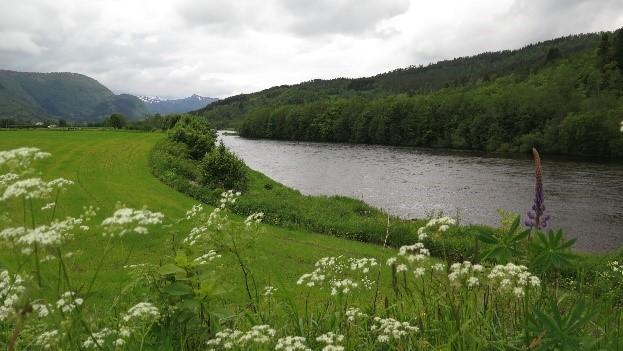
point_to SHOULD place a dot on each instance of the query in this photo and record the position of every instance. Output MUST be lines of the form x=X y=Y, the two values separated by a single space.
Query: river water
x=583 y=198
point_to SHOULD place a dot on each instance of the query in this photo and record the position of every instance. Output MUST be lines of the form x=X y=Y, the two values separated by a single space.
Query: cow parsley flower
x=292 y=343
x=142 y=312
x=465 y=274
x=53 y=234
x=353 y=314
x=48 y=340
x=194 y=211
x=435 y=227
x=12 y=290
x=254 y=218
x=513 y=279
x=339 y=274
x=31 y=188
x=269 y=291
x=207 y=258
x=226 y=339
x=68 y=302
x=127 y=220
x=48 y=206
x=8 y=178
x=99 y=338
x=22 y=158
x=331 y=341
x=389 y=329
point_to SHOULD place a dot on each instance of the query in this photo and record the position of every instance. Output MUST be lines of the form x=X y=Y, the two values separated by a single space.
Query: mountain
x=412 y=80
x=167 y=106
x=61 y=95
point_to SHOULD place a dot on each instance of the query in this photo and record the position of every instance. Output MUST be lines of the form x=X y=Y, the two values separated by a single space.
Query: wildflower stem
x=99 y=265
x=55 y=204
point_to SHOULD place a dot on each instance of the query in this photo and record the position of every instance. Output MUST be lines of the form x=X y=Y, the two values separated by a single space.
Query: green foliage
x=75 y=97
x=570 y=107
x=196 y=134
x=155 y=123
x=458 y=72
x=507 y=247
x=551 y=252
x=116 y=121
x=222 y=169
x=553 y=330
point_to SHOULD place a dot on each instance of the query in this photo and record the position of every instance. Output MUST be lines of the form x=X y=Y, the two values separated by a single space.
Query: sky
x=219 y=48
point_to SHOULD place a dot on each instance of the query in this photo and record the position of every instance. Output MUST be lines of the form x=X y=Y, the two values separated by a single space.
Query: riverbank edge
x=456 y=245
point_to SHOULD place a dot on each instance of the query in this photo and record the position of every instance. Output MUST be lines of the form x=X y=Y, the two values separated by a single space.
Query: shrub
x=221 y=168
x=196 y=133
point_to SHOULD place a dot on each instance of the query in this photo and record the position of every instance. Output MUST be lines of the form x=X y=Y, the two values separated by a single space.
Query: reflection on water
x=585 y=199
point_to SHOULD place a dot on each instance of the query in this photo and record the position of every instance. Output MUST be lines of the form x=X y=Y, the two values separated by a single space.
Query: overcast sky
x=223 y=47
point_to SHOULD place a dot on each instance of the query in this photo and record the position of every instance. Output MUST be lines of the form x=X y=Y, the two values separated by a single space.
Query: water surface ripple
x=585 y=199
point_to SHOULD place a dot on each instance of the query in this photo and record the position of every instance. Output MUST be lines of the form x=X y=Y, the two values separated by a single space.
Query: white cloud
x=222 y=47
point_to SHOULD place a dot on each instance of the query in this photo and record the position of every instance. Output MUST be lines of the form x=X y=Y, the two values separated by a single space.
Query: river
x=583 y=198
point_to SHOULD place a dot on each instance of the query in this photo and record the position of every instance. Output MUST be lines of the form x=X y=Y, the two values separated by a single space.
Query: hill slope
x=61 y=95
x=461 y=71
x=164 y=107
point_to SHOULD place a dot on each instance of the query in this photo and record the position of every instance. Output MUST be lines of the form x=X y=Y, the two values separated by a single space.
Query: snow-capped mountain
x=164 y=106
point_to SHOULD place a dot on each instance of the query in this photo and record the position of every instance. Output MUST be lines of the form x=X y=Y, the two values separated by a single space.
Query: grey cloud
x=342 y=16
x=221 y=47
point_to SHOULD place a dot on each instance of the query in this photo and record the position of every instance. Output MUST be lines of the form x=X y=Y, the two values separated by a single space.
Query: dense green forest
x=412 y=80
x=562 y=96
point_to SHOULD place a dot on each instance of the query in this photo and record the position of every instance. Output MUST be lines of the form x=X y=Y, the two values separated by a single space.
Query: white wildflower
x=143 y=312
x=227 y=339
x=48 y=206
x=354 y=313
x=123 y=220
x=254 y=218
x=48 y=340
x=31 y=188
x=292 y=343
x=269 y=291
x=194 y=211
x=207 y=258
x=389 y=328
x=331 y=341
x=21 y=158
x=68 y=302
x=11 y=292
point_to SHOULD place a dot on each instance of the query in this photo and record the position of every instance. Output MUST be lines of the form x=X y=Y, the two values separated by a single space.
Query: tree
x=116 y=120
x=62 y=123
x=618 y=48
x=553 y=54
x=604 y=49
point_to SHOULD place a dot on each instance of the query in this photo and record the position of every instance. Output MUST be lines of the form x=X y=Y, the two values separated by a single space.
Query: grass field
x=112 y=167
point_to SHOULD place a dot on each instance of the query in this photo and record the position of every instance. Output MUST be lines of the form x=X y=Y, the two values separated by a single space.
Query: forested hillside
x=36 y=96
x=568 y=102
x=458 y=72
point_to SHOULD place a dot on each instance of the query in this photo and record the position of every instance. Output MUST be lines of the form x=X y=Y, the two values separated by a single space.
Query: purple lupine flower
x=537 y=218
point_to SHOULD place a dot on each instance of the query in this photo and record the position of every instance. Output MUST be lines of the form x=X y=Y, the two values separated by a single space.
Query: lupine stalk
x=537 y=219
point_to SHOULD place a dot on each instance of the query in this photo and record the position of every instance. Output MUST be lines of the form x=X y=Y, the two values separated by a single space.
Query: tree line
x=571 y=106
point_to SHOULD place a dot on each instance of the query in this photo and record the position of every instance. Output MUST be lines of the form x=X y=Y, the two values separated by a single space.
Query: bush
x=221 y=168
x=196 y=133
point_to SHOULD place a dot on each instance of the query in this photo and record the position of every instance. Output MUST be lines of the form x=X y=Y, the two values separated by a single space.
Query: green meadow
x=111 y=168
x=211 y=279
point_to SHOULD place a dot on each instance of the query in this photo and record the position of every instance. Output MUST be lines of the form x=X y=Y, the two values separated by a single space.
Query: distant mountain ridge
x=61 y=95
x=165 y=106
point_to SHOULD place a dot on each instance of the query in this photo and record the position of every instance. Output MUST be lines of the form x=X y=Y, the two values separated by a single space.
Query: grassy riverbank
x=344 y=287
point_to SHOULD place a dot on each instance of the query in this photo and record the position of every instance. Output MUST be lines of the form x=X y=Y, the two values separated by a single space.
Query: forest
x=570 y=105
